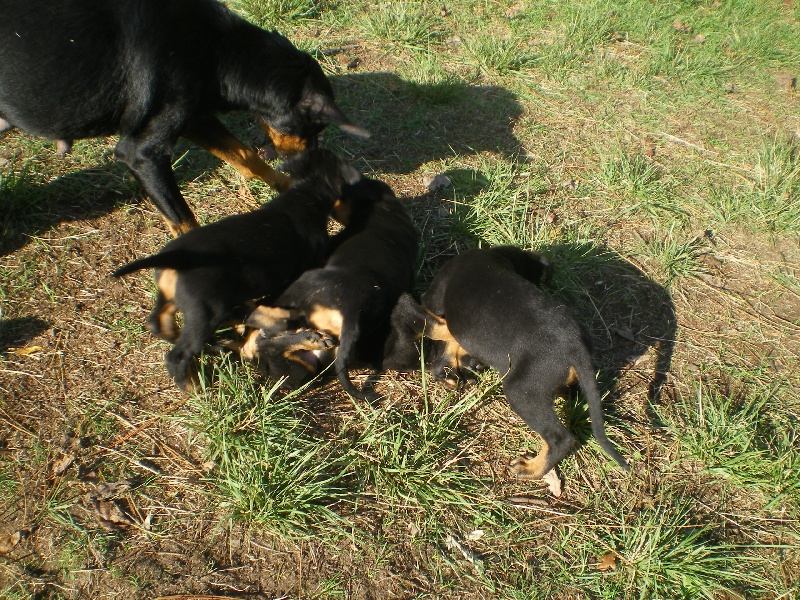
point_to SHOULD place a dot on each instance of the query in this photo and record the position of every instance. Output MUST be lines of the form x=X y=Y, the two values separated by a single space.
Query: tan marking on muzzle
x=285 y=143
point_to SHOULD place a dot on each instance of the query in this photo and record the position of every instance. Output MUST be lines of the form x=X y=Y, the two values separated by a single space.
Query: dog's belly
x=61 y=68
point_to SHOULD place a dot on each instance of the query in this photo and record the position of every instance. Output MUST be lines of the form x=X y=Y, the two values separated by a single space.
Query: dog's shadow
x=30 y=206
x=629 y=317
x=413 y=124
x=18 y=332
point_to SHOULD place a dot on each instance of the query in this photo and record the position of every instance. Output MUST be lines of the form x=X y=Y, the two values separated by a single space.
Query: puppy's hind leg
x=5 y=125
x=200 y=322
x=534 y=403
x=347 y=343
x=161 y=322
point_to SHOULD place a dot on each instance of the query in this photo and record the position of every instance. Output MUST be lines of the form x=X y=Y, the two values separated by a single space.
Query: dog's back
x=495 y=310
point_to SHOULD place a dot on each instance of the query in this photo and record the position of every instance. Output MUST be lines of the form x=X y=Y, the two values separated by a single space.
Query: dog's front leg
x=151 y=165
x=212 y=135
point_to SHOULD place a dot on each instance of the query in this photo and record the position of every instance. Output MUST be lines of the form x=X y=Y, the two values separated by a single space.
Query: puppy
x=351 y=298
x=497 y=314
x=153 y=71
x=209 y=271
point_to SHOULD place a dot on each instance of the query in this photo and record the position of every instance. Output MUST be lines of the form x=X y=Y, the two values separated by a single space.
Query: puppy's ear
x=324 y=110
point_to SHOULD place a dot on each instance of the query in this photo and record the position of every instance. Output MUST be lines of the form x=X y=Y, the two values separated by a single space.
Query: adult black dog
x=496 y=313
x=153 y=71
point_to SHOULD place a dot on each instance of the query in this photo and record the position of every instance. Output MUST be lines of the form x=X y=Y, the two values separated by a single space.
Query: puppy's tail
x=347 y=342
x=588 y=383
x=171 y=259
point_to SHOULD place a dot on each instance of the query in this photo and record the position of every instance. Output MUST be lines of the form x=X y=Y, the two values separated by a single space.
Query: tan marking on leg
x=271 y=317
x=249 y=349
x=168 y=328
x=166 y=280
x=178 y=229
x=325 y=319
x=220 y=142
x=572 y=377
x=526 y=467
x=289 y=356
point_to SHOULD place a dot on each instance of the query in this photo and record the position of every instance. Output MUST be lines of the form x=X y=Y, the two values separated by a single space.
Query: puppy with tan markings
x=495 y=312
x=352 y=296
x=209 y=271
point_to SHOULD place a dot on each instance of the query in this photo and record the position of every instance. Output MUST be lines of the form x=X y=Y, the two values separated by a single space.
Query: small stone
x=436 y=182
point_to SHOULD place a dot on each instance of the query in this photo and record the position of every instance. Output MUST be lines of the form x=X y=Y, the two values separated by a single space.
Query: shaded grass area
x=651 y=150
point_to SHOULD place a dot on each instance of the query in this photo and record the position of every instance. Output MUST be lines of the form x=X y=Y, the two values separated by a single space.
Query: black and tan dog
x=352 y=297
x=209 y=271
x=490 y=303
x=153 y=71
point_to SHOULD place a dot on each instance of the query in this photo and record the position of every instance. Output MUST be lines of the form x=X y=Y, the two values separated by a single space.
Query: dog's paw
x=319 y=340
x=528 y=466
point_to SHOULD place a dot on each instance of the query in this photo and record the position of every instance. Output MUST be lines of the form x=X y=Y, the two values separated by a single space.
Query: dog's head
x=534 y=267
x=417 y=335
x=357 y=200
x=298 y=127
x=324 y=167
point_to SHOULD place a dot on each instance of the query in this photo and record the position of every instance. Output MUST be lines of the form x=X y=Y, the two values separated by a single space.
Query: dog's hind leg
x=534 y=403
x=200 y=322
x=161 y=322
x=5 y=125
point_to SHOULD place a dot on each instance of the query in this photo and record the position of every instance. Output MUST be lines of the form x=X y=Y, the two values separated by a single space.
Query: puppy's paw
x=319 y=340
x=528 y=466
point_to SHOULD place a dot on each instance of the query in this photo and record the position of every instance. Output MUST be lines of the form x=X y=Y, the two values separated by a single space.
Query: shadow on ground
x=412 y=124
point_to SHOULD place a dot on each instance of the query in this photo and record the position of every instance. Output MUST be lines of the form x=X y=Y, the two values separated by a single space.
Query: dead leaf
x=638 y=361
x=62 y=464
x=474 y=536
x=528 y=500
x=436 y=182
x=546 y=216
x=624 y=332
x=553 y=482
x=679 y=25
x=699 y=39
x=786 y=81
x=788 y=4
x=8 y=542
x=26 y=351
x=194 y=597
x=608 y=562
x=106 y=491
x=112 y=514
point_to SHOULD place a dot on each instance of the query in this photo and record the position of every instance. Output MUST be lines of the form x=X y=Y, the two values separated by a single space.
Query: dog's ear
x=324 y=110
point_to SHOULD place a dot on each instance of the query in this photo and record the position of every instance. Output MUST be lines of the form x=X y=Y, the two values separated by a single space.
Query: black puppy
x=152 y=71
x=209 y=271
x=352 y=297
x=498 y=315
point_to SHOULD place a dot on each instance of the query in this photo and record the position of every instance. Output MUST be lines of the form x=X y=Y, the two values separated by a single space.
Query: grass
x=650 y=150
